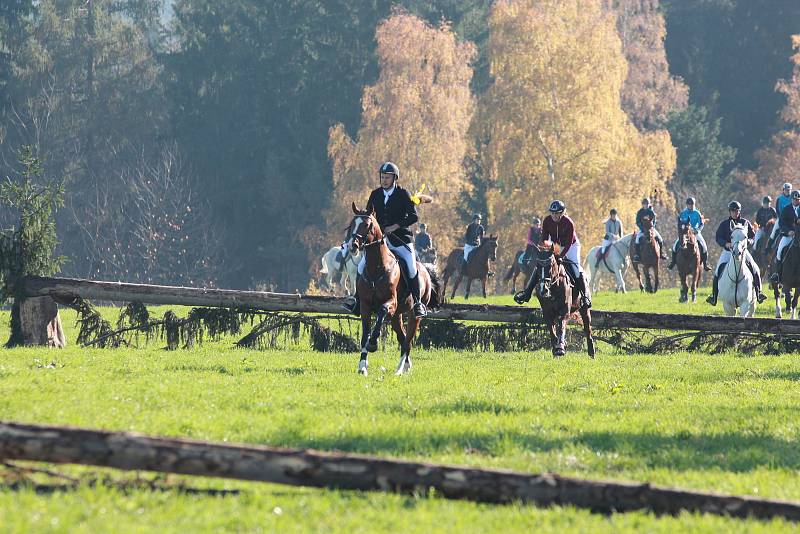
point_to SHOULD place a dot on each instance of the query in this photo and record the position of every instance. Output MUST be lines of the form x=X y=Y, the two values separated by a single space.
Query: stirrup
x=761 y=297
x=712 y=300
x=637 y=258
x=775 y=278
x=519 y=297
x=706 y=267
x=586 y=302
x=420 y=310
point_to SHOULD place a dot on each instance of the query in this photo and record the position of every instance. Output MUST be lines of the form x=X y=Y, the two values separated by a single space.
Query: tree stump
x=35 y=322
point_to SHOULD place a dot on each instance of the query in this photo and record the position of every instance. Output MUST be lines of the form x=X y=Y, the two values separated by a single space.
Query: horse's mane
x=547 y=244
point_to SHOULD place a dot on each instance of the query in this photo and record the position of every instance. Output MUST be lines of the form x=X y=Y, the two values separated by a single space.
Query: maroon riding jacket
x=561 y=232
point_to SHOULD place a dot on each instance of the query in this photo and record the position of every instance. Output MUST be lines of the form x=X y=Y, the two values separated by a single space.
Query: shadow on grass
x=125 y=487
x=460 y=406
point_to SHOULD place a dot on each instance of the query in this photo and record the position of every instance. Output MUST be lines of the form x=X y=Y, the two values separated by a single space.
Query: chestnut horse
x=477 y=266
x=688 y=261
x=558 y=300
x=383 y=290
x=650 y=257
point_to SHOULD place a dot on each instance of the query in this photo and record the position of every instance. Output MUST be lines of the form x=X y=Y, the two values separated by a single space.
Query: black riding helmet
x=795 y=194
x=389 y=168
x=766 y=200
x=557 y=206
x=691 y=201
x=477 y=217
x=734 y=206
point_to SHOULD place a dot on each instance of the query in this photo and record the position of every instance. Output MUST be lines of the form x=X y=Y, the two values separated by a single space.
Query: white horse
x=736 y=282
x=331 y=268
x=616 y=263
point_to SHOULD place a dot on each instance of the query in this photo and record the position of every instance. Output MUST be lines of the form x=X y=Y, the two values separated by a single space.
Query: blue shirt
x=781 y=202
x=693 y=217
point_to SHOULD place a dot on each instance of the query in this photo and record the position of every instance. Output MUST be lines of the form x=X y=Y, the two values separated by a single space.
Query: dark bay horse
x=650 y=257
x=516 y=268
x=688 y=261
x=763 y=256
x=790 y=279
x=477 y=266
x=382 y=290
x=558 y=300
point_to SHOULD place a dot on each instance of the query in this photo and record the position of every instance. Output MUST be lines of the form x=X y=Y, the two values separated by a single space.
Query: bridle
x=737 y=268
x=360 y=243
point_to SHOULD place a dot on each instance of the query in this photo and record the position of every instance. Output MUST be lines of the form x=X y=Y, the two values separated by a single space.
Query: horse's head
x=547 y=257
x=738 y=240
x=647 y=222
x=365 y=230
x=685 y=234
x=491 y=243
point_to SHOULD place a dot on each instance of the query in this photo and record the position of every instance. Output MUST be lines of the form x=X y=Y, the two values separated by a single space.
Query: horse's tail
x=437 y=296
x=324 y=269
x=510 y=272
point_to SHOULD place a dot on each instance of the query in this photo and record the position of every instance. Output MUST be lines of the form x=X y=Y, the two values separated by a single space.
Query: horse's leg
x=561 y=331
x=638 y=276
x=730 y=309
x=469 y=286
x=620 y=280
x=404 y=365
x=794 y=303
x=586 y=317
x=514 y=282
x=365 y=323
x=397 y=326
x=372 y=344
x=777 y=294
x=485 y=279
x=655 y=278
x=684 y=288
x=787 y=297
x=456 y=283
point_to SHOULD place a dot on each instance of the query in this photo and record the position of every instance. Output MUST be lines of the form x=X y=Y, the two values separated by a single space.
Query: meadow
x=722 y=422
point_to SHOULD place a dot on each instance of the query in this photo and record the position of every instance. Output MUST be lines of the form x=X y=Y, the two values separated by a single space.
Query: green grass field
x=721 y=422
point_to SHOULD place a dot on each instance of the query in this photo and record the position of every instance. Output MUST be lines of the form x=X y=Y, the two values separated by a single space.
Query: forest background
x=221 y=143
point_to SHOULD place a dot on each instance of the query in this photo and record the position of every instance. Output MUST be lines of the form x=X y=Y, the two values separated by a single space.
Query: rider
x=723 y=239
x=785 y=199
x=558 y=228
x=472 y=238
x=422 y=241
x=788 y=227
x=613 y=229
x=694 y=219
x=534 y=234
x=395 y=212
x=647 y=211
x=764 y=214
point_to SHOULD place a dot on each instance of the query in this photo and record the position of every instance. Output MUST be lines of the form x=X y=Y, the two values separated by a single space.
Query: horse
x=736 y=282
x=383 y=290
x=688 y=261
x=477 y=266
x=763 y=256
x=614 y=262
x=516 y=268
x=558 y=300
x=650 y=257
x=428 y=255
x=790 y=279
x=332 y=266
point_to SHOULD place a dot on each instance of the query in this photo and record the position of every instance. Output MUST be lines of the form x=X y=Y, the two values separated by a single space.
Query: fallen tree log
x=122 y=450
x=65 y=288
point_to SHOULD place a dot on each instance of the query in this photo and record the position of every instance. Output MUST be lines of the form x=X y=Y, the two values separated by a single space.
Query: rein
x=739 y=277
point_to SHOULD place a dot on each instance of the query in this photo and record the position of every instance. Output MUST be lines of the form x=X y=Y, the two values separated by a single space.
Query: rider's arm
x=411 y=216
x=621 y=231
x=569 y=236
x=700 y=223
x=721 y=237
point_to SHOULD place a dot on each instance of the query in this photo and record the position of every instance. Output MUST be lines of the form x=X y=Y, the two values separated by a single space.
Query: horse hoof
x=557 y=353
x=362 y=367
x=372 y=346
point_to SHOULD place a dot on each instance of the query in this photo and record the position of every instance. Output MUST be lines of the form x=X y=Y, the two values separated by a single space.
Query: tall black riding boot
x=660 y=242
x=419 y=308
x=672 y=263
x=637 y=251
x=463 y=266
x=600 y=255
x=712 y=298
x=751 y=264
x=525 y=295
x=777 y=271
x=704 y=259
x=580 y=285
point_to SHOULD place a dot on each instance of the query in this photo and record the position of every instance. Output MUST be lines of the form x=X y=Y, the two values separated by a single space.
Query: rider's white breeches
x=700 y=241
x=573 y=256
x=759 y=234
x=606 y=244
x=404 y=253
x=785 y=242
x=467 y=250
x=774 y=233
x=724 y=257
x=639 y=235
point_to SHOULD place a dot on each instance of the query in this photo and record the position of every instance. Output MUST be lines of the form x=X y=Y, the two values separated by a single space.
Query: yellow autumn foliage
x=554 y=124
x=417 y=115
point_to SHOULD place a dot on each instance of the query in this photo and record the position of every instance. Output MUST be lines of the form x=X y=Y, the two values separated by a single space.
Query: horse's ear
x=355 y=209
x=731 y=224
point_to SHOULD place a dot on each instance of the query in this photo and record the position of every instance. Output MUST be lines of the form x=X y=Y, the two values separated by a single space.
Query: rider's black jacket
x=400 y=210
x=474 y=234
x=788 y=220
x=723 y=236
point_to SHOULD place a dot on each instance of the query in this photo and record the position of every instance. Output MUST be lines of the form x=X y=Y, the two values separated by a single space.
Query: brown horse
x=790 y=279
x=688 y=261
x=516 y=268
x=650 y=257
x=761 y=254
x=382 y=289
x=558 y=300
x=477 y=266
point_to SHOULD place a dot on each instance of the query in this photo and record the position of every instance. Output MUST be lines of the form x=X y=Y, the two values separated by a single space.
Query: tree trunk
x=122 y=450
x=35 y=322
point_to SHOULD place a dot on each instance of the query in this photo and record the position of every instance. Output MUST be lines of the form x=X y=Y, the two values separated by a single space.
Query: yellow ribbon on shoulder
x=415 y=197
